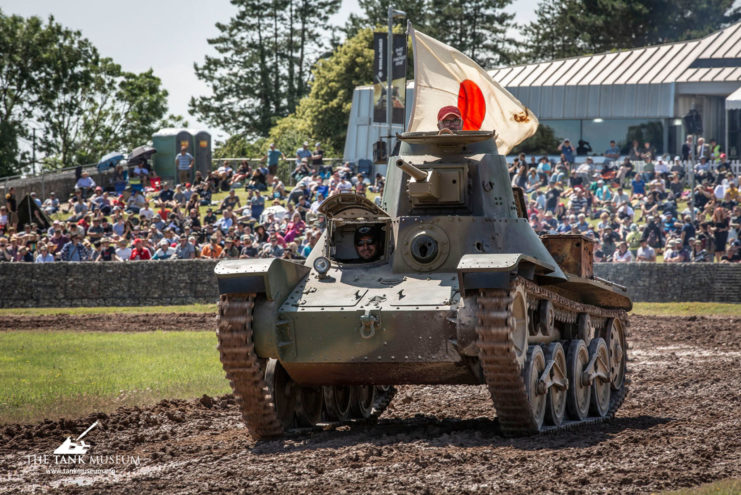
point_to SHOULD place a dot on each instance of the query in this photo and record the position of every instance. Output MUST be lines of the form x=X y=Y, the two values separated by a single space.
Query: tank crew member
x=449 y=119
x=366 y=243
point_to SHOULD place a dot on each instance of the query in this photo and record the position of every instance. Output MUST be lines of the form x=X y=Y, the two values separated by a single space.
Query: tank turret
x=444 y=283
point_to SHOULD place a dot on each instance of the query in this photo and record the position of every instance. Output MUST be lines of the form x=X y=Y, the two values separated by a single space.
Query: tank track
x=501 y=370
x=243 y=367
x=246 y=372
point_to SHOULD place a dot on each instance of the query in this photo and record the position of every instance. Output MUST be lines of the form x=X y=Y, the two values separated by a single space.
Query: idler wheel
x=518 y=324
x=283 y=390
x=578 y=395
x=555 y=405
x=337 y=402
x=310 y=401
x=361 y=404
x=536 y=396
x=615 y=340
x=600 y=373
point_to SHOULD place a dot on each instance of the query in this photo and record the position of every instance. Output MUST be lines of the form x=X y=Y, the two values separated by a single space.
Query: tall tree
x=574 y=27
x=556 y=33
x=375 y=13
x=477 y=28
x=266 y=43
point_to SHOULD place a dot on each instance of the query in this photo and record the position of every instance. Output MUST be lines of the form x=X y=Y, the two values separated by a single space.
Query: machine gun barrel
x=414 y=172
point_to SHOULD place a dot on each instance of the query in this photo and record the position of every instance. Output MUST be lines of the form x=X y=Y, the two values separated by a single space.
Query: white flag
x=444 y=76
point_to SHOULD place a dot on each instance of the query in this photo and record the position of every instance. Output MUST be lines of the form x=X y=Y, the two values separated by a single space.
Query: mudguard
x=492 y=271
x=273 y=277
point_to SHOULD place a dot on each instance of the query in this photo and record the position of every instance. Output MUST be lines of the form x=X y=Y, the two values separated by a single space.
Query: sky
x=168 y=36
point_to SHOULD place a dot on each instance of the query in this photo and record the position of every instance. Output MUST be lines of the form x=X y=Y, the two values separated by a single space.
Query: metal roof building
x=633 y=94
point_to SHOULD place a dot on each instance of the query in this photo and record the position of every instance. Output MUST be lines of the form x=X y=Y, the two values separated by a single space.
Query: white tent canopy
x=733 y=102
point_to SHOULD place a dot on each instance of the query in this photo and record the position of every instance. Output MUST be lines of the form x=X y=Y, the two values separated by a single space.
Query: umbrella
x=140 y=153
x=109 y=161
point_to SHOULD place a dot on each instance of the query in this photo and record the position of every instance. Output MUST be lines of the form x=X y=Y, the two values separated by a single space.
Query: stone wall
x=667 y=282
x=152 y=283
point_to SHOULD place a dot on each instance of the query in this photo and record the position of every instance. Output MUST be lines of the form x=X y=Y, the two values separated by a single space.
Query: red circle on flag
x=472 y=105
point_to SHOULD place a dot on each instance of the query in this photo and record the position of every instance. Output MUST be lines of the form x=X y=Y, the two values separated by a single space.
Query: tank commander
x=449 y=120
x=366 y=243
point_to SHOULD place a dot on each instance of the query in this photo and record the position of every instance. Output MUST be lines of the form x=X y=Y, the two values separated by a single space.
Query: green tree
x=566 y=28
x=261 y=70
x=375 y=14
x=24 y=61
x=543 y=142
x=556 y=33
x=324 y=113
x=477 y=28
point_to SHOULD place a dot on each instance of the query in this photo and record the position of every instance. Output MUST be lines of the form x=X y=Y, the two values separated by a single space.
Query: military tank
x=444 y=282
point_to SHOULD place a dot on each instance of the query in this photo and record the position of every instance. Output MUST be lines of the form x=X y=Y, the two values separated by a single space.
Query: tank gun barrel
x=414 y=172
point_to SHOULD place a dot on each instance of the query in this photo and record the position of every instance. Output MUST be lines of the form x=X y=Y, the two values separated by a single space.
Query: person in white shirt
x=123 y=251
x=622 y=255
x=146 y=212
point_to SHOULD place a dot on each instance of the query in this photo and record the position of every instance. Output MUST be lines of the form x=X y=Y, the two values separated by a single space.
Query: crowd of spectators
x=258 y=217
x=634 y=213
x=637 y=207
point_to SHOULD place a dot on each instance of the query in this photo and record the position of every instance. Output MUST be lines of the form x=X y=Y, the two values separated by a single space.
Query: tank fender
x=493 y=271
x=273 y=277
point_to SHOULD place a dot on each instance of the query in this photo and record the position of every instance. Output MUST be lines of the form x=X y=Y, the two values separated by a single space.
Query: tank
x=444 y=282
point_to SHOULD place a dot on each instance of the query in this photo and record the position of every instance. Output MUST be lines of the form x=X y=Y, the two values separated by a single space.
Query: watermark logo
x=74 y=457
x=70 y=447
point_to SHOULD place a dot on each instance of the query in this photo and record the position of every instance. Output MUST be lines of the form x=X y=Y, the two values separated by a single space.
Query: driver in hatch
x=366 y=243
x=449 y=120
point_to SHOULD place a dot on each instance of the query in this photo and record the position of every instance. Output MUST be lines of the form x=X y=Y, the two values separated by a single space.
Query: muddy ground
x=123 y=322
x=680 y=426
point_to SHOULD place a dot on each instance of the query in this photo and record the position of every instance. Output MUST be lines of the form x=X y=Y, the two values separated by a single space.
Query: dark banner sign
x=380 y=85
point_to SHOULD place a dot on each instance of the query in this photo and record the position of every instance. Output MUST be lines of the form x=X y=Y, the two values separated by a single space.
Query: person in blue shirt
x=184 y=163
x=272 y=158
x=638 y=186
x=567 y=149
x=303 y=152
x=613 y=152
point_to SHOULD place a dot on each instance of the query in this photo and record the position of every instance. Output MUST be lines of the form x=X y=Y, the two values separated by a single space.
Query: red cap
x=449 y=110
x=137 y=242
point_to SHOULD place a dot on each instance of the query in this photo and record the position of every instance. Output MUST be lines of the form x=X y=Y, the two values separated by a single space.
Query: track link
x=501 y=370
x=243 y=367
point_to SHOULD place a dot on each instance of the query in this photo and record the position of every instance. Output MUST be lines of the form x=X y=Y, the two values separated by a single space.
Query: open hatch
x=349 y=216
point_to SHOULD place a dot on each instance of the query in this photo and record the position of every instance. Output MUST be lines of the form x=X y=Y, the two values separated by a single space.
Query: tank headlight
x=321 y=265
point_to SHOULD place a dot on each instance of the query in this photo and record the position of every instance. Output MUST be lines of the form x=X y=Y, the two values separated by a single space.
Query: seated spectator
x=675 y=253
x=645 y=252
x=259 y=179
x=699 y=254
x=74 y=250
x=140 y=251
x=164 y=251
x=278 y=189
x=212 y=250
x=230 y=250
x=241 y=175
x=622 y=255
x=107 y=251
x=51 y=204
x=85 y=184
x=44 y=255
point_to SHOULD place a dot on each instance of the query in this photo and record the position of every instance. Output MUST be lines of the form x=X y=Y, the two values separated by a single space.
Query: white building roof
x=715 y=58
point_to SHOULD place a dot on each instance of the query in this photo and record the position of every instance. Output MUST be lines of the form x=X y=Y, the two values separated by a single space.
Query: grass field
x=725 y=487
x=687 y=309
x=190 y=308
x=70 y=374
